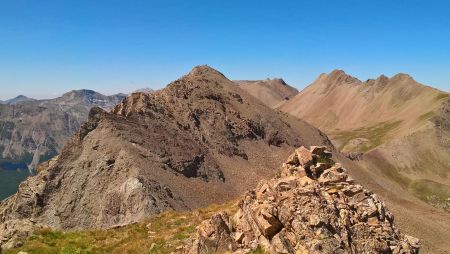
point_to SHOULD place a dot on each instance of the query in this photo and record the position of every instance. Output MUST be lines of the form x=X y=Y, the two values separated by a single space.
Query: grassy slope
x=432 y=192
x=167 y=232
x=376 y=135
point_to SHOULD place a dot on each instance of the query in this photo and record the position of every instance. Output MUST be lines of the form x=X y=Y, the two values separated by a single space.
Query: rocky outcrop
x=313 y=206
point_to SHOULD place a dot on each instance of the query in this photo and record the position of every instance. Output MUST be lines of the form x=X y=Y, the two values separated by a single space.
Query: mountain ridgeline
x=15 y=100
x=198 y=141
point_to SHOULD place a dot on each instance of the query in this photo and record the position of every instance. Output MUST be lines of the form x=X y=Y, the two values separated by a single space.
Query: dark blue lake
x=10 y=180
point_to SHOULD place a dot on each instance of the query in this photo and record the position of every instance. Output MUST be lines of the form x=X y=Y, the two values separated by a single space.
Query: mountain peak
x=382 y=77
x=402 y=77
x=204 y=71
x=90 y=97
x=144 y=90
x=338 y=77
x=17 y=99
x=280 y=81
x=337 y=72
x=80 y=92
x=381 y=81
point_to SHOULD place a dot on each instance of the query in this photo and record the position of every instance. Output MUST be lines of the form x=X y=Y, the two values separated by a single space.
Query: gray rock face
x=32 y=131
x=312 y=207
x=20 y=98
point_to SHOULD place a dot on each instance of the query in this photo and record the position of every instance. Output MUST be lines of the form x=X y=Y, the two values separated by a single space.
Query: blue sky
x=49 y=47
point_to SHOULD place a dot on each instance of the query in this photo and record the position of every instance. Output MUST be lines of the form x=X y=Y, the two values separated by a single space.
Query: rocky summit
x=312 y=206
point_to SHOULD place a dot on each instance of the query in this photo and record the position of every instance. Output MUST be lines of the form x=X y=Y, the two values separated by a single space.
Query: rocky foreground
x=312 y=206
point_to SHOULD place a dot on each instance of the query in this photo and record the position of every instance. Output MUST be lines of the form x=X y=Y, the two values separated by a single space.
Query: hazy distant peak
x=144 y=90
x=90 y=97
x=80 y=92
x=20 y=98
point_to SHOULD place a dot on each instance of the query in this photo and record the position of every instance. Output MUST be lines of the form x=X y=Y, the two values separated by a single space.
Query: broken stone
x=414 y=242
x=269 y=224
x=238 y=237
x=303 y=181
x=305 y=157
x=373 y=221
x=292 y=159
x=286 y=184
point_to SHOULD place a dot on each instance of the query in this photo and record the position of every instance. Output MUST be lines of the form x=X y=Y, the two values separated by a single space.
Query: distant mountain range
x=33 y=131
x=20 y=98
x=144 y=90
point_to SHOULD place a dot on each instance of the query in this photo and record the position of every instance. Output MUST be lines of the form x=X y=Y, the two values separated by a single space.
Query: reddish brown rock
x=304 y=156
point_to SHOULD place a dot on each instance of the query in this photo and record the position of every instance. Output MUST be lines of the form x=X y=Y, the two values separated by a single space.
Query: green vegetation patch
x=376 y=135
x=442 y=96
x=434 y=193
x=165 y=233
x=426 y=116
x=425 y=188
x=259 y=250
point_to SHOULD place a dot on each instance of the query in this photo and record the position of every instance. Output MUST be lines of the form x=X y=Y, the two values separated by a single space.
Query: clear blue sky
x=49 y=47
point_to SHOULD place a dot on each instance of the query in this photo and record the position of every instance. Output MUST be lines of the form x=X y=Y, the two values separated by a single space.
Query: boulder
x=305 y=157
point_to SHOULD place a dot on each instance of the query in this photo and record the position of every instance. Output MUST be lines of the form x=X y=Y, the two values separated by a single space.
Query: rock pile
x=312 y=206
